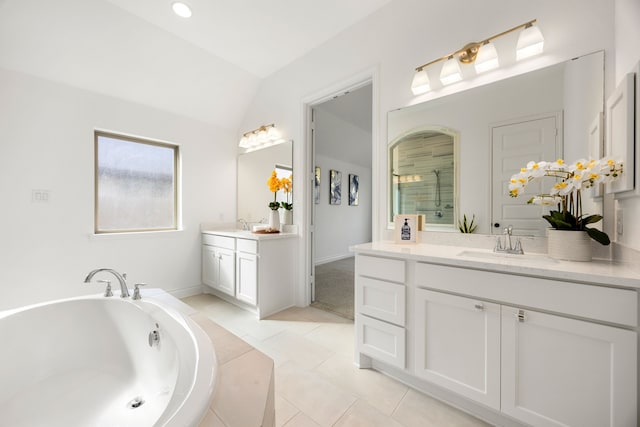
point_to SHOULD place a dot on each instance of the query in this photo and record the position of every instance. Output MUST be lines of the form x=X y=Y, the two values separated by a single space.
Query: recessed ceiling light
x=181 y=9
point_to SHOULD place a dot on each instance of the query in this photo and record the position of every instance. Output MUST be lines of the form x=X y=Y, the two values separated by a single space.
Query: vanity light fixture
x=264 y=136
x=487 y=58
x=450 y=72
x=482 y=54
x=530 y=42
x=181 y=9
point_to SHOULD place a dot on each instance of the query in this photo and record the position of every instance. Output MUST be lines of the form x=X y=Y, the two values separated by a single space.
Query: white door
x=513 y=145
x=247 y=277
x=457 y=345
x=565 y=372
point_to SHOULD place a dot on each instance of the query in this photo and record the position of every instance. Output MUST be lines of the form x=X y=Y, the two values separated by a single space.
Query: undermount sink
x=484 y=254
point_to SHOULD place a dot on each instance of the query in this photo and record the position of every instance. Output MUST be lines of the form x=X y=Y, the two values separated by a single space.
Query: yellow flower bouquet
x=274 y=185
x=286 y=184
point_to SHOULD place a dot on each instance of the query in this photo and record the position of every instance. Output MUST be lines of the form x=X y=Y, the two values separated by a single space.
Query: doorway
x=342 y=201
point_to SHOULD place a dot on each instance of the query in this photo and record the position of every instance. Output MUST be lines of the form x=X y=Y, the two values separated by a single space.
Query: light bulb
x=181 y=9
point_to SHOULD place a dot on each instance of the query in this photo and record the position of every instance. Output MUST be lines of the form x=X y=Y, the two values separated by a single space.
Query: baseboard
x=187 y=292
x=333 y=258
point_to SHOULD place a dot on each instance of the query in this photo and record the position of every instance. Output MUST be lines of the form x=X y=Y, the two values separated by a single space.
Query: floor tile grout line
x=345 y=412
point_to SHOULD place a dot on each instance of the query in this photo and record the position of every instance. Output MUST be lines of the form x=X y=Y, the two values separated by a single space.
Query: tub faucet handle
x=136 y=290
x=107 y=291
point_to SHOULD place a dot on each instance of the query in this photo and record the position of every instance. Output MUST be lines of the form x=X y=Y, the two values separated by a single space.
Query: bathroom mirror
x=571 y=93
x=254 y=168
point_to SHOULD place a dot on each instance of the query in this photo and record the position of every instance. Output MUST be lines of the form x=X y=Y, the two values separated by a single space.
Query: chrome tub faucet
x=122 y=279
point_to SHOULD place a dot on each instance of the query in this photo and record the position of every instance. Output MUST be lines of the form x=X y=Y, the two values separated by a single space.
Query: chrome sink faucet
x=245 y=224
x=122 y=279
x=508 y=246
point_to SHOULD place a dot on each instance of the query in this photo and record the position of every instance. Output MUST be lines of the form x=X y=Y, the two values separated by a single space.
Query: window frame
x=176 y=181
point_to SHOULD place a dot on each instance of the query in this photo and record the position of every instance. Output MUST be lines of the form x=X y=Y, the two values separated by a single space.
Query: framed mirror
x=571 y=93
x=254 y=168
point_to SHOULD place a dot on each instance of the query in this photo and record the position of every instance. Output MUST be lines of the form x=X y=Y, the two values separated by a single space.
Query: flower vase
x=287 y=217
x=274 y=219
x=569 y=245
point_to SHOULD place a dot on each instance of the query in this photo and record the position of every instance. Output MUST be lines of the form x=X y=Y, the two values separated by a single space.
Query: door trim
x=369 y=76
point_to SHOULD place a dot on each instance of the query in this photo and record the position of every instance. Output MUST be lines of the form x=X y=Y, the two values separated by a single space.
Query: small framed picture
x=316 y=186
x=406 y=228
x=354 y=183
x=335 y=187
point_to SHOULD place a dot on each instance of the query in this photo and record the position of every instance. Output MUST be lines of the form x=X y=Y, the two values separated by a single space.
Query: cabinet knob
x=479 y=306
x=496 y=225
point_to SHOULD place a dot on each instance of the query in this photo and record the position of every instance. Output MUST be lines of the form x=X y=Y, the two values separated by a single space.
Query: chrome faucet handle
x=136 y=291
x=107 y=291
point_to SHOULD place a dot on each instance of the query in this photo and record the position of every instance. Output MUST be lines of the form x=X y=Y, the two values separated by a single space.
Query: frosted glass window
x=136 y=184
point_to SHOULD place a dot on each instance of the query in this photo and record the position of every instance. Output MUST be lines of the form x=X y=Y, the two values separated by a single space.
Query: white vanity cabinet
x=255 y=272
x=380 y=307
x=548 y=348
x=218 y=263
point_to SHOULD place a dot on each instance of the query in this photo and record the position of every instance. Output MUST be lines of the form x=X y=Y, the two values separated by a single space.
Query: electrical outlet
x=619 y=222
x=40 y=196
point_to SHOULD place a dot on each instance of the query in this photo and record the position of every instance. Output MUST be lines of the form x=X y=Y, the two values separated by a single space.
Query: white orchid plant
x=566 y=193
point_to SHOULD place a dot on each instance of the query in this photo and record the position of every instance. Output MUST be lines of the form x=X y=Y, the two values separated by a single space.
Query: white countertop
x=245 y=234
x=599 y=272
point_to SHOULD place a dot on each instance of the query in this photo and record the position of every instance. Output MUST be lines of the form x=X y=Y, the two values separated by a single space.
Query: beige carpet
x=335 y=286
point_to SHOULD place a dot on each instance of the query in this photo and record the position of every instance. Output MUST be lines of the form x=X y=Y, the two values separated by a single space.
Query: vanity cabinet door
x=247 y=277
x=457 y=344
x=218 y=268
x=558 y=371
x=210 y=266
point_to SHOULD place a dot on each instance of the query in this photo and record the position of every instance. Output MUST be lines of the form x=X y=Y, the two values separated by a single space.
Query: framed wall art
x=316 y=186
x=354 y=183
x=335 y=187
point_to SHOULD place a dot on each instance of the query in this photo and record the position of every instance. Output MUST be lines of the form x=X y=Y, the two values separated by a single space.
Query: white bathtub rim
x=201 y=391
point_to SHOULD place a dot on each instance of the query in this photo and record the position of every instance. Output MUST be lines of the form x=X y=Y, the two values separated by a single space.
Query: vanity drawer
x=220 y=241
x=246 y=245
x=572 y=298
x=381 y=340
x=380 y=268
x=382 y=300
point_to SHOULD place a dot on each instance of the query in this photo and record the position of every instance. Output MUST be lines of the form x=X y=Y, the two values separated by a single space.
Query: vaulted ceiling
x=207 y=67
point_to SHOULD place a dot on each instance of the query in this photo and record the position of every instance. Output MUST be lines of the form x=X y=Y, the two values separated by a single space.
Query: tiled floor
x=316 y=382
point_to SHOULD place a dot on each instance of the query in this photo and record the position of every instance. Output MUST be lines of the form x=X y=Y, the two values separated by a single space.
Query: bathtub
x=96 y=361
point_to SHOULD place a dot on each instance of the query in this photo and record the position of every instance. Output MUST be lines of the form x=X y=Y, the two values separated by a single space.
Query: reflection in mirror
x=254 y=168
x=423 y=178
x=571 y=93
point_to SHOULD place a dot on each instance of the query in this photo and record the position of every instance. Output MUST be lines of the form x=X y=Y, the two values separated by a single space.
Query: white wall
x=406 y=34
x=627 y=43
x=340 y=226
x=46 y=138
